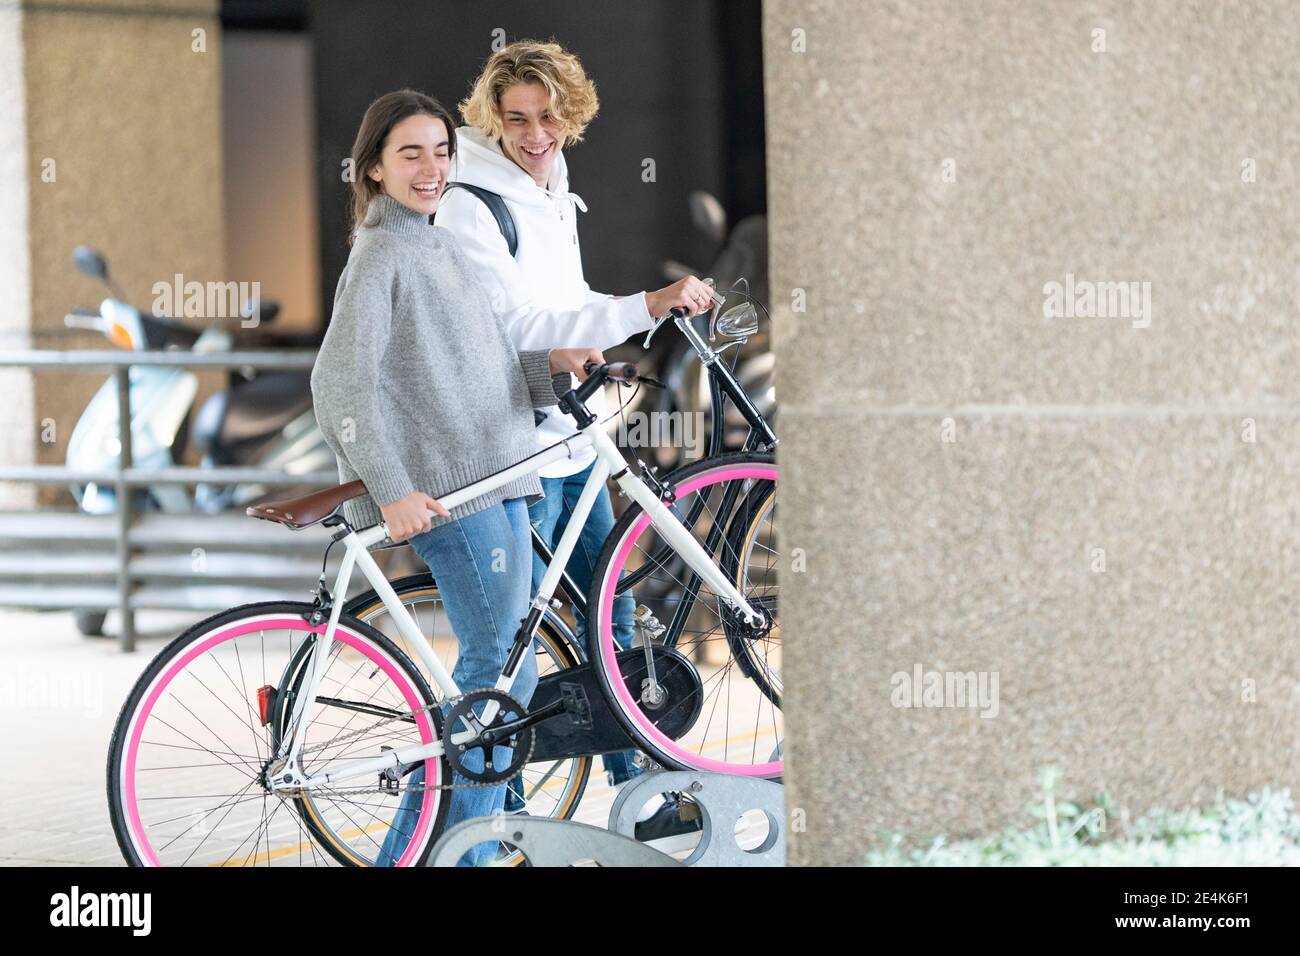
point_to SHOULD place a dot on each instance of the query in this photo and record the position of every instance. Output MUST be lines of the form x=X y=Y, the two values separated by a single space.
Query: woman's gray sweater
x=416 y=386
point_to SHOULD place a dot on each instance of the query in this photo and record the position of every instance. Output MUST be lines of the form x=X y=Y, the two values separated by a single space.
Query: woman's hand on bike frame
x=575 y=361
x=409 y=515
x=689 y=293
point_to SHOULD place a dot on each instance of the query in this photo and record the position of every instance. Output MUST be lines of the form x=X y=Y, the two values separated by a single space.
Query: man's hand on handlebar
x=689 y=293
x=575 y=361
x=410 y=515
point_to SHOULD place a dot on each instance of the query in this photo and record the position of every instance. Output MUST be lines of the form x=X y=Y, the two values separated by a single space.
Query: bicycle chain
x=470 y=785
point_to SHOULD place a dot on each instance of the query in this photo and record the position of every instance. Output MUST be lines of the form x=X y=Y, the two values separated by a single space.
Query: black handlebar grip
x=620 y=370
x=677 y=312
x=624 y=371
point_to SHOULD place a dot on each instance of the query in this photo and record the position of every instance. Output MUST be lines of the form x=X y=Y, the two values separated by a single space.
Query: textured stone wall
x=123 y=153
x=1098 y=507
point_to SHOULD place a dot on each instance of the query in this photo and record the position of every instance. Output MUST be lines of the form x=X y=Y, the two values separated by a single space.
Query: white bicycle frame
x=286 y=777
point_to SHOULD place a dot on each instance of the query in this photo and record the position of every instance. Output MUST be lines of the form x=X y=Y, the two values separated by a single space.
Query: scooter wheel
x=90 y=623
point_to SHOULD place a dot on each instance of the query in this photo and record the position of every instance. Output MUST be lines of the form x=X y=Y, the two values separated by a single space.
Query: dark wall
x=679 y=82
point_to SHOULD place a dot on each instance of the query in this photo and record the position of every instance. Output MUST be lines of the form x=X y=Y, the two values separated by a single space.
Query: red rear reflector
x=265 y=697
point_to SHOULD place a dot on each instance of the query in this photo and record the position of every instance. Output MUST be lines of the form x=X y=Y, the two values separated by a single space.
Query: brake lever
x=718 y=302
x=655 y=328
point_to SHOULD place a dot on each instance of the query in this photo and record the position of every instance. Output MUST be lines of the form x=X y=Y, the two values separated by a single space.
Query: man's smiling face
x=532 y=136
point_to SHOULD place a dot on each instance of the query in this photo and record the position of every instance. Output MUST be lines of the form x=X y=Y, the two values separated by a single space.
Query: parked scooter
x=262 y=421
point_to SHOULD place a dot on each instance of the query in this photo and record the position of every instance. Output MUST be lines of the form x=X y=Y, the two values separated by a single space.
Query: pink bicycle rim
x=607 y=648
x=341 y=634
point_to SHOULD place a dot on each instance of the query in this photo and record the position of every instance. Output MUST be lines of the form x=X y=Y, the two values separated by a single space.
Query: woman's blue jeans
x=481 y=565
x=550 y=517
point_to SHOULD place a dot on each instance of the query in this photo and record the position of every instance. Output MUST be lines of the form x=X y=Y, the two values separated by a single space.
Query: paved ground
x=59 y=697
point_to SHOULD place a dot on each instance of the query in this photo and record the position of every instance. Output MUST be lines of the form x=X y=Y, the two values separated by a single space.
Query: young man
x=530 y=101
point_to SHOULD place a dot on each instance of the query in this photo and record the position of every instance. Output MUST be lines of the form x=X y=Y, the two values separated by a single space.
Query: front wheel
x=738 y=726
x=190 y=756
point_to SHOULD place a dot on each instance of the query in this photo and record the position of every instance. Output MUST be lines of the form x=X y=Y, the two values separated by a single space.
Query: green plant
x=1261 y=830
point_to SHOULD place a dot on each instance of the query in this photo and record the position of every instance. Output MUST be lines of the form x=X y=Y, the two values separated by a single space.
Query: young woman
x=419 y=391
x=530 y=101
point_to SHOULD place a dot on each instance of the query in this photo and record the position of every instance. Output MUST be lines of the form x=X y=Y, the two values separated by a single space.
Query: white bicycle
x=278 y=733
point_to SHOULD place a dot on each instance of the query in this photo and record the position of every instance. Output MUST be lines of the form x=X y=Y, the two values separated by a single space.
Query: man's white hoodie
x=539 y=293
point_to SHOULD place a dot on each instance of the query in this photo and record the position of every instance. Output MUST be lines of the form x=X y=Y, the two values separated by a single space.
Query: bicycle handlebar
x=678 y=313
x=619 y=371
x=597 y=375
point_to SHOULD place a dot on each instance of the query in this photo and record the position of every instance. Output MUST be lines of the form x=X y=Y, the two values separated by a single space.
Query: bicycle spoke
x=206 y=835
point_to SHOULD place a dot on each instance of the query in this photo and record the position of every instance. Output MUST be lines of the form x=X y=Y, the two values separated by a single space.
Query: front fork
x=679 y=538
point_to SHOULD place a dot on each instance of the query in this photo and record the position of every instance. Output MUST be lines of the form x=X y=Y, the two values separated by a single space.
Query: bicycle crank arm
x=512 y=727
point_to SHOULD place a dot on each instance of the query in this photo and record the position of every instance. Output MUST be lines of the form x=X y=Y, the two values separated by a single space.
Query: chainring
x=508 y=710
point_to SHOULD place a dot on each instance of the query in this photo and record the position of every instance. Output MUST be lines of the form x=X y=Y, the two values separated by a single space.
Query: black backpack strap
x=497 y=206
x=506 y=223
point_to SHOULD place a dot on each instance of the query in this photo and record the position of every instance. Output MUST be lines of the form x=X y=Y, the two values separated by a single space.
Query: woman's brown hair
x=381 y=116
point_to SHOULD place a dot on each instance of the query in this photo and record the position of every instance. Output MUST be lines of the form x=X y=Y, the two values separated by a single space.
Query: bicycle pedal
x=576 y=705
x=644 y=618
x=644 y=761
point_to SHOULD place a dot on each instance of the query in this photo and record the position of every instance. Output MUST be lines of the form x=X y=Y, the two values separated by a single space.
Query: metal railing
x=127 y=475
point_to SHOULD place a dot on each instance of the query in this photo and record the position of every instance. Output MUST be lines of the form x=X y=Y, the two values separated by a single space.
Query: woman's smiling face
x=414 y=163
x=531 y=136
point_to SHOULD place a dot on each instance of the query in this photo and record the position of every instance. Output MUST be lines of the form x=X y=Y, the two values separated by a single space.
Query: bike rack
x=722 y=799
x=547 y=842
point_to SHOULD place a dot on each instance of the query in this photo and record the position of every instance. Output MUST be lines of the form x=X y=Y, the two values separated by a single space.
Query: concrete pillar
x=16 y=437
x=113 y=140
x=1098 y=505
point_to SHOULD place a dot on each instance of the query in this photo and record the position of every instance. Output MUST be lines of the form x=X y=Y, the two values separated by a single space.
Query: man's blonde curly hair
x=571 y=93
